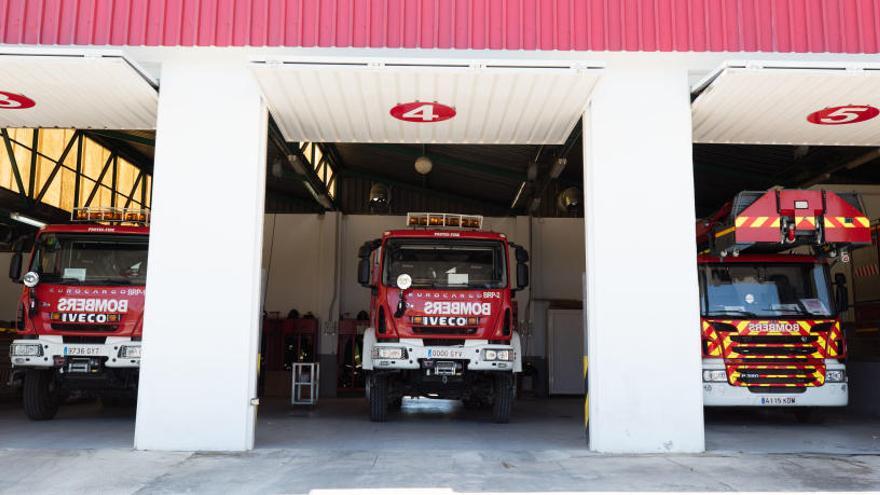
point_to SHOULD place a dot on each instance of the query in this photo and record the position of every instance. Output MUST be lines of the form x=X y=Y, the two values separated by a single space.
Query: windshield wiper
x=732 y=312
x=112 y=281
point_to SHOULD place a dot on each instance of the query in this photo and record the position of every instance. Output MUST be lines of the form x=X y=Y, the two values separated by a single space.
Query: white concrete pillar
x=202 y=314
x=645 y=391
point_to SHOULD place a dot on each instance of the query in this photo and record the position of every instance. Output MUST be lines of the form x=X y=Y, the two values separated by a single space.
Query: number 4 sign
x=422 y=112
x=849 y=114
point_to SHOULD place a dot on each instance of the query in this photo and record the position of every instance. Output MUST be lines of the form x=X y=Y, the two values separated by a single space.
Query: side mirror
x=841 y=294
x=522 y=256
x=522 y=276
x=15 y=267
x=364 y=271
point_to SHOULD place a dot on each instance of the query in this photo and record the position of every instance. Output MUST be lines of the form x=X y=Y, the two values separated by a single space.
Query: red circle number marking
x=422 y=112
x=12 y=101
x=849 y=114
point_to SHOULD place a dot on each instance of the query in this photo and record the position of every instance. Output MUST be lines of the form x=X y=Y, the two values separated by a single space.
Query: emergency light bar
x=444 y=220
x=110 y=214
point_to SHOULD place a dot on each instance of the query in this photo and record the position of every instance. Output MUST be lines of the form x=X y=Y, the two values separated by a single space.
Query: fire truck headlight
x=714 y=376
x=30 y=279
x=835 y=376
x=389 y=353
x=130 y=352
x=497 y=355
x=26 y=350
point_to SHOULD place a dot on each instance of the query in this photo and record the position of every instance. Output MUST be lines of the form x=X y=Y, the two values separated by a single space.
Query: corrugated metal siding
x=355 y=101
x=837 y=26
x=771 y=105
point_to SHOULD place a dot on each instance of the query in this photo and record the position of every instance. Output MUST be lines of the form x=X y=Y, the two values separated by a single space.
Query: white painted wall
x=642 y=293
x=201 y=321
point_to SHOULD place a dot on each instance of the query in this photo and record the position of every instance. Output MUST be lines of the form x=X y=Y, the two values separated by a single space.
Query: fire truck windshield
x=91 y=259
x=452 y=264
x=764 y=290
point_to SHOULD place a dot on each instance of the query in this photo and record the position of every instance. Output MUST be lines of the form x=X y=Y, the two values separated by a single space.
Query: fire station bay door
x=85 y=89
x=789 y=104
x=416 y=102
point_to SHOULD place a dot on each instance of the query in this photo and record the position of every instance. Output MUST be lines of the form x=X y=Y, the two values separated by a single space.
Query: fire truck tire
x=396 y=404
x=378 y=398
x=39 y=396
x=503 y=398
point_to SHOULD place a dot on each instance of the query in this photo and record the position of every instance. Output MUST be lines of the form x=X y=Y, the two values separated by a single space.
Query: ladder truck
x=80 y=312
x=770 y=313
x=442 y=314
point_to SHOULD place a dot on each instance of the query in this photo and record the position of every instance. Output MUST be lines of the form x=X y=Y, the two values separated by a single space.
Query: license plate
x=81 y=350
x=778 y=401
x=445 y=353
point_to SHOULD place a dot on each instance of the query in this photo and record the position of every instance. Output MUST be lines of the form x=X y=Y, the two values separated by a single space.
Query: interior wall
x=863 y=375
x=299 y=258
x=9 y=291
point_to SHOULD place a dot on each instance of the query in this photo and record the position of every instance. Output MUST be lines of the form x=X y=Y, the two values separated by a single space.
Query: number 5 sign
x=422 y=112
x=12 y=101
x=849 y=114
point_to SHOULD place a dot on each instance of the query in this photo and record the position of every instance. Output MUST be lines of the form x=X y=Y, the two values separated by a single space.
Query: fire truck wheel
x=378 y=398
x=503 y=397
x=39 y=396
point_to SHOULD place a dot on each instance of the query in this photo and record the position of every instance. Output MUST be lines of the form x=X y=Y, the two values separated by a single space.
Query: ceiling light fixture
x=423 y=164
x=28 y=220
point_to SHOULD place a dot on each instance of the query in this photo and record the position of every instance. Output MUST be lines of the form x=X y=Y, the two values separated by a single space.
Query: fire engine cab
x=443 y=320
x=770 y=315
x=81 y=310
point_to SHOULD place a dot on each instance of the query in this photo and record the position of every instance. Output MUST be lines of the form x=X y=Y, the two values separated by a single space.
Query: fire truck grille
x=774 y=346
x=73 y=327
x=442 y=342
x=79 y=339
x=770 y=376
x=445 y=330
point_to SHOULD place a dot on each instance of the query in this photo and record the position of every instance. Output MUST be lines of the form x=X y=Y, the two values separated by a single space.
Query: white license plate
x=778 y=401
x=445 y=353
x=81 y=350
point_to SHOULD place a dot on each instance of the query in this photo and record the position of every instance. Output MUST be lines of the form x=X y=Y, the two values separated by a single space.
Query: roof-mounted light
x=444 y=220
x=111 y=215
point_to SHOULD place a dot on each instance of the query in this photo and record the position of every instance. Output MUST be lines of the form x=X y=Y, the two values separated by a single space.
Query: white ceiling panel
x=754 y=104
x=75 y=91
x=493 y=104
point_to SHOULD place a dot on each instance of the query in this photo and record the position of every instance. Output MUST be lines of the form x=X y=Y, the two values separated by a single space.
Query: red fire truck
x=770 y=321
x=81 y=310
x=442 y=316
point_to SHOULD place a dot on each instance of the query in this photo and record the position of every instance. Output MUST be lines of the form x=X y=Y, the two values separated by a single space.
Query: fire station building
x=271 y=138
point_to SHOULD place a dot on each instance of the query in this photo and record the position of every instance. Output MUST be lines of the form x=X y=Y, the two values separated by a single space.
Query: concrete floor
x=433 y=444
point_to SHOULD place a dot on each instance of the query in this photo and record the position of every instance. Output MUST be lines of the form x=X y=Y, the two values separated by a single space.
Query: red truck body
x=487 y=313
x=770 y=325
x=443 y=319
x=80 y=315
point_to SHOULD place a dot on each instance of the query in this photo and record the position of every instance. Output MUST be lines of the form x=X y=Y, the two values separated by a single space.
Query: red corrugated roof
x=837 y=26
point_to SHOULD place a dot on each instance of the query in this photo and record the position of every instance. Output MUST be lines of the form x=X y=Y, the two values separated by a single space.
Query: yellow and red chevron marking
x=775 y=375
x=756 y=222
x=864 y=271
x=713 y=343
x=846 y=222
x=788 y=348
x=835 y=341
x=807 y=222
